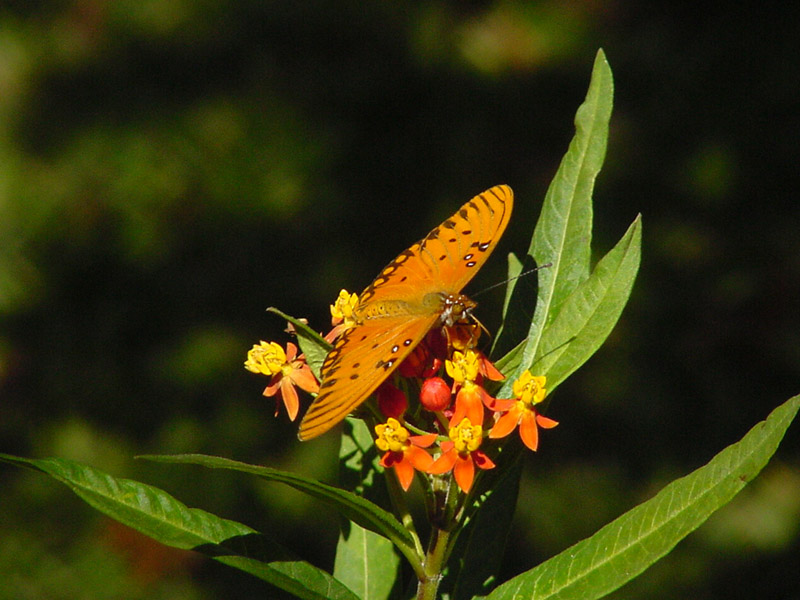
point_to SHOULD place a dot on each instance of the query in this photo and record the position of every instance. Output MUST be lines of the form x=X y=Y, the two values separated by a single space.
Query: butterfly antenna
x=481 y=325
x=505 y=281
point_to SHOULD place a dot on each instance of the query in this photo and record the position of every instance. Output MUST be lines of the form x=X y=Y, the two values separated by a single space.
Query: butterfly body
x=417 y=291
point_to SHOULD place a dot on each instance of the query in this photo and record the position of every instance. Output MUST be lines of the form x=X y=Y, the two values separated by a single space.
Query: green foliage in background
x=167 y=170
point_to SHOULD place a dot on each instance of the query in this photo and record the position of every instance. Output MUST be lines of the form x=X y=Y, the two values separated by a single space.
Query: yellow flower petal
x=265 y=358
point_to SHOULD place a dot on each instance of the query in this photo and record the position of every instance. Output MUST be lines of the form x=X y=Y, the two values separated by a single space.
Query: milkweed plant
x=454 y=421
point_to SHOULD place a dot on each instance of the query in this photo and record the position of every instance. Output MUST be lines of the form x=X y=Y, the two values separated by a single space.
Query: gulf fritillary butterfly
x=415 y=292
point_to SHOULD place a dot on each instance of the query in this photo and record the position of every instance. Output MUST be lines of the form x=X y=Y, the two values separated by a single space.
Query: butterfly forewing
x=396 y=310
x=450 y=255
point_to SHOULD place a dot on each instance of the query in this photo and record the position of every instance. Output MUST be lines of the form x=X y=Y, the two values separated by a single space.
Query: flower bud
x=391 y=401
x=435 y=394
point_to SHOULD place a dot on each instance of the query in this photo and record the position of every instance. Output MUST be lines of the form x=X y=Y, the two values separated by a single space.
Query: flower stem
x=401 y=509
x=434 y=563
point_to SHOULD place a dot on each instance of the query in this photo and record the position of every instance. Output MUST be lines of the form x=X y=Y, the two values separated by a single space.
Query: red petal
x=435 y=394
x=390 y=459
x=334 y=333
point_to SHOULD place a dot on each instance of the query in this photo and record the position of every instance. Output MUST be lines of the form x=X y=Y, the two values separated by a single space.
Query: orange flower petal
x=464 y=472
x=305 y=379
x=417 y=457
x=544 y=422
x=444 y=463
x=469 y=404
x=528 y=431
x=334 y=333
x=423 y=441
x=274 y=386
x=490 y=371
x=405 y=472
x=481 y=460
x=505 y=424
x=499 y=404
x=291 y=352
x=290 y=400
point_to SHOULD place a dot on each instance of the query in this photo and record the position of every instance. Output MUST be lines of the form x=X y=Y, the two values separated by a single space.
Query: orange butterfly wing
x=403 y=303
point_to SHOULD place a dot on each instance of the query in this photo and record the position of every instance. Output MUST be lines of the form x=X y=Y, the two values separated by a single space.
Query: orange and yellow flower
x=529 y=390
x=286 y=370
x=464 y=368
x=461 y=454
x=342 y=314
x=403 y=452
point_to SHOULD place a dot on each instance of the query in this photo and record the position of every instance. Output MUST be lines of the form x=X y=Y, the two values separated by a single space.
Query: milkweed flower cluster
x=455 y=414
x=455 y=405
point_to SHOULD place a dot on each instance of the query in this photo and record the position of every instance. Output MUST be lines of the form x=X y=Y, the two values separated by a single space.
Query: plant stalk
x=434 y=563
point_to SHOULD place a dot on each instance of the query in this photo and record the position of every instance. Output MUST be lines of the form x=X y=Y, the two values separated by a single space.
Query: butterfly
x=417 y=291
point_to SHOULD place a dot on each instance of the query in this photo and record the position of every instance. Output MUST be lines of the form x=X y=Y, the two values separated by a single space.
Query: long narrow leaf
x=366 y=562
x=160 y=516
x=354 y=507
x=624 y=548
x=589 y=314
x=563 y=232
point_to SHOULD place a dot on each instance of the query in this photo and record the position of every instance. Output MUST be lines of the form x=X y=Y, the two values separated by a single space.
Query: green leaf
x=352 y=506
x=564 y=231
x=589 y=314
x=312 y=344
x=627 y=546
x=160 y=516
x=366 y=562
x=515 y=322
x=510 y=361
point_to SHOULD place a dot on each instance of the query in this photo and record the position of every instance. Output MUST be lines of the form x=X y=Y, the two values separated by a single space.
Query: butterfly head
x=456 y=308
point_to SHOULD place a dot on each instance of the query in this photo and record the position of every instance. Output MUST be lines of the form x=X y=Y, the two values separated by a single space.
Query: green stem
x=400 y=506
x=434 y=563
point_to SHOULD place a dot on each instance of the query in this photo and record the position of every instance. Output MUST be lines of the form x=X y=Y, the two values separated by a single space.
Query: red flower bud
x=391 y=401
x=435 y=394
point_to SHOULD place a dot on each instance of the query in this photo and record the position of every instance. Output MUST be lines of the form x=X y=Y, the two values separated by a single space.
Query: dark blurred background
x=170 y=169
